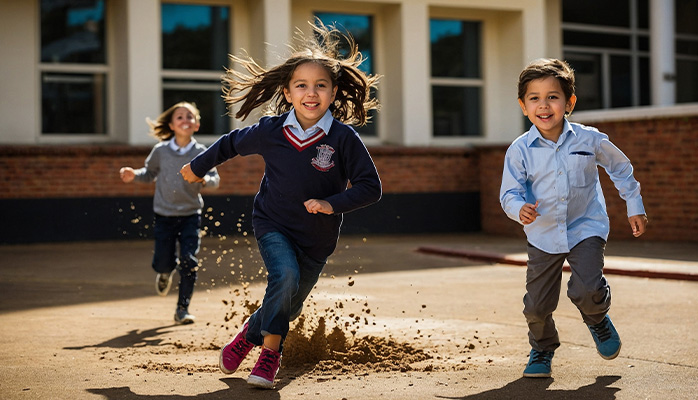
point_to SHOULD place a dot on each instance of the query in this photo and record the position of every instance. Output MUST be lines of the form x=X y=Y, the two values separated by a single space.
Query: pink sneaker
x=265 y=370
x=235 y=351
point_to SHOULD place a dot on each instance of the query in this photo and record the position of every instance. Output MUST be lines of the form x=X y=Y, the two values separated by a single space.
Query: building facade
x=79 y=78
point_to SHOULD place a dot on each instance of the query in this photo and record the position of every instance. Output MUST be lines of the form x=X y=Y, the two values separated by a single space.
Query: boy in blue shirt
x=550 y=185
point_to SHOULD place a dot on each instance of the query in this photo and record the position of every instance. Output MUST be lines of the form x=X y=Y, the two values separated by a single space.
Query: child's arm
x=365 y=187
x=638 y=223
x=512 y=193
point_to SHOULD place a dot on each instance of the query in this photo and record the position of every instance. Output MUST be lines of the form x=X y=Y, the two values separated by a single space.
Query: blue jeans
x=291 y=277
x=185 y=230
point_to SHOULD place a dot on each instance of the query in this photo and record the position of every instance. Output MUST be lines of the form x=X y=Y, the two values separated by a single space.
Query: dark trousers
x=169 y=231
x=587 y=289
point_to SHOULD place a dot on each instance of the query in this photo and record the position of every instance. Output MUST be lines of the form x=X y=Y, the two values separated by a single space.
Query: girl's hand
x=528 y=213
x=189 y=175
x=639 y=224
x=315 y=206
x=127 y=175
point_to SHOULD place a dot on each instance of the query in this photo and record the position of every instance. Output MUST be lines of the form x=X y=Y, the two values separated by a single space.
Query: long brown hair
x=258 y=85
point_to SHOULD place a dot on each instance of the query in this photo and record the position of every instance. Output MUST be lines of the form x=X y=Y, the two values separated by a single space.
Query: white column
x=20 y=93
x=277 y=29
x=535 y=33
x=144 y=62
x=662 y=52
x=415 y=57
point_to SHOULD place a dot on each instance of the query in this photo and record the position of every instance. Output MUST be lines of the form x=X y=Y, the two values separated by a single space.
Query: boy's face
x=545 y=106
x=311 y=93
x=183 y=122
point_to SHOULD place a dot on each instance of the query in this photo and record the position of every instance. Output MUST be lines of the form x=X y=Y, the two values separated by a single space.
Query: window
x=609 y=52
x=73 y=67
x=456 y=78
x=195 y=43
x=686 y=51
x=360 y=27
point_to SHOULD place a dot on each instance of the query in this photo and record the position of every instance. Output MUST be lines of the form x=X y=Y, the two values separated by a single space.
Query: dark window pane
x=195 y=37
x=687 y=75
x=360 y=27
x=73 y=103
x=621 y=84
x=72 y=31
x=456 y=111
x=643 y=14
x=643 y=43
x=686 y=12
x=687 y=47
x=593 y=39
x=209 y=102
x=455 y=48
x=587 y=69
x=597 y=12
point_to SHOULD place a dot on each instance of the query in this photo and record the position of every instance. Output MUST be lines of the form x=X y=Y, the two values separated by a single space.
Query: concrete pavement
x=80 y=320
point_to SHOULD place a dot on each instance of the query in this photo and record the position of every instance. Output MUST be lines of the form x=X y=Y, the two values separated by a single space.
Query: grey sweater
x=174 y=197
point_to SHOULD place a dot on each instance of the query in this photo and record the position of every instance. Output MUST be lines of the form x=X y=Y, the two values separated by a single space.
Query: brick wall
x=28 y=172
x=664 y=153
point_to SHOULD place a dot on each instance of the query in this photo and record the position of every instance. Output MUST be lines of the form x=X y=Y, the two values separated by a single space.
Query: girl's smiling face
x=311 y=92
x=545 y=106
x=184 y=122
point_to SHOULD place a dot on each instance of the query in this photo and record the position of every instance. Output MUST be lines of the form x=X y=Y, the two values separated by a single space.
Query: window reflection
x=72 y=31
x=73 y=103
x=360 y=27
x=194 y=37
x=456 y=111
x=455 y=48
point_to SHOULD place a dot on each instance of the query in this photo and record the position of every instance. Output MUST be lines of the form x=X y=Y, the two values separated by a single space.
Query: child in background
x=310 y=156
x=177 y=204
x=550 y=185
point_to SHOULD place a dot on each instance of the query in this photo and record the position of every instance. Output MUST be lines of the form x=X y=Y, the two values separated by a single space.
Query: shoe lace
x=542 y=357
x=601 y=331
x=268 y=361
x=241 y=347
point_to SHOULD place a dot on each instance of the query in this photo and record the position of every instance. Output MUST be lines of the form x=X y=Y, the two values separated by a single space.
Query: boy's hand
x=639 y=224
x=127 y=175
x=315 y=206
x=189 y=175
x=528 y=213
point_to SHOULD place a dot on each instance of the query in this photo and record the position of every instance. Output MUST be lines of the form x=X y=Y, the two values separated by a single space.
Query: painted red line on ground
x=503 y=259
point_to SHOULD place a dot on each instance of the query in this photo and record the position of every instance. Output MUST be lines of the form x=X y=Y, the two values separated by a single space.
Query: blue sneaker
x=606 y=338
x=539 y=364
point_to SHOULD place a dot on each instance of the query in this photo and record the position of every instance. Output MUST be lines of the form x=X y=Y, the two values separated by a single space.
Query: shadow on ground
x=538 y=389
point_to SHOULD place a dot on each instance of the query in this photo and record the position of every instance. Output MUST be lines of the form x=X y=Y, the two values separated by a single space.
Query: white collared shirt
x=181 y=150
x=325 y=123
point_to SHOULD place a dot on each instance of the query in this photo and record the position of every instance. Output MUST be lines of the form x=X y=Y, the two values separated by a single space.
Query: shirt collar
x=181 y=150
x=534 y=133
x=325 y=123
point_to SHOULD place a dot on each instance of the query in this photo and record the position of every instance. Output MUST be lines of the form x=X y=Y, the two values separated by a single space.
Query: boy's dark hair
x=260 y=86
x=543 y=68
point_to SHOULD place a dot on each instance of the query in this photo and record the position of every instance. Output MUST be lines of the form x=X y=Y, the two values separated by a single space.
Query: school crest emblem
x=323 y=161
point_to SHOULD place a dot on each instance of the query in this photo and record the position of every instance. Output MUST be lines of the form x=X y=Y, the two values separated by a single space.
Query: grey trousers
x=587 y=289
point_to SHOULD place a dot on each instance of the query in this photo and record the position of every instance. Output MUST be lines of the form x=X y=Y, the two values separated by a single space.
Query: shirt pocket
x=582 y=168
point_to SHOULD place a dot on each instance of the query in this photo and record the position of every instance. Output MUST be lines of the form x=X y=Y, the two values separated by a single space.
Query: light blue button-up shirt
x=563 y=177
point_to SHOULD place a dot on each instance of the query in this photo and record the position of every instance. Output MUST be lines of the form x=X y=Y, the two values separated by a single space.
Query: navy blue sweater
x=317 y=168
